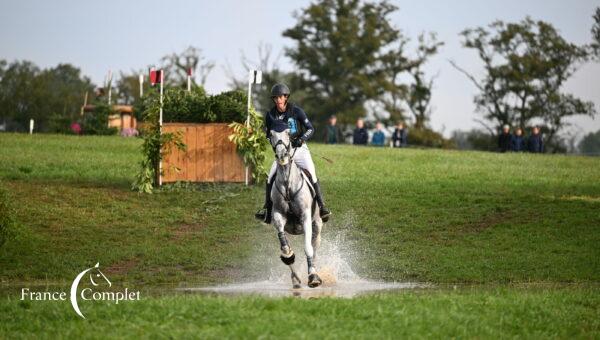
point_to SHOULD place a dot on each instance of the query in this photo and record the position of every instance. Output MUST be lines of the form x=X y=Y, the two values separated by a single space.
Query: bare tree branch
x=463 y=71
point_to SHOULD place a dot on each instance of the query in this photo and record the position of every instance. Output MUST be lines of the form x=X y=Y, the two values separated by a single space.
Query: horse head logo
x=95 y=276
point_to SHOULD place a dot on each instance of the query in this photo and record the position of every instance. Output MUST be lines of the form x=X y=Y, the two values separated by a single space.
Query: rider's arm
x=268 y=125
x=303 y=119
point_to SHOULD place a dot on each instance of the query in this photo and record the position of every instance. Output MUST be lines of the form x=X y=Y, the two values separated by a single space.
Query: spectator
x=399 y=138
x=504 y=140
x=360 y=136
x=518 y=141
x=378 y=136
x=535 y=143
x=333 y=135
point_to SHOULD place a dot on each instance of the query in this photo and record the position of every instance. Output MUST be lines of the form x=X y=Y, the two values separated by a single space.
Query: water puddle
x=347 y=289
x=334 y=262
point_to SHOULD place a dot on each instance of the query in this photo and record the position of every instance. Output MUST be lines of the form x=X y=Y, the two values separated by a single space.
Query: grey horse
x=294 y=209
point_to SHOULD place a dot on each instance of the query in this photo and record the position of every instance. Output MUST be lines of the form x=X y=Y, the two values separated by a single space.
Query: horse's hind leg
x=287 y=255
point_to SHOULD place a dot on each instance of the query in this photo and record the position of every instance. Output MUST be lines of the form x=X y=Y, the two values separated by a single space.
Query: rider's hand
x=297 y=142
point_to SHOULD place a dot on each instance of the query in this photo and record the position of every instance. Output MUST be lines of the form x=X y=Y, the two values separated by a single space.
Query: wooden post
x=160 y=122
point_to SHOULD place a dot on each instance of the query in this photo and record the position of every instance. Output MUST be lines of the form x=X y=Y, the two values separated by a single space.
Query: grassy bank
x=420 y=215
x=444 y=217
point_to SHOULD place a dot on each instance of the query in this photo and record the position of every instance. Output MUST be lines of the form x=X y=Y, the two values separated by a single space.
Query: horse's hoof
x=297 y=286
x=289 y=260
x=314 y=281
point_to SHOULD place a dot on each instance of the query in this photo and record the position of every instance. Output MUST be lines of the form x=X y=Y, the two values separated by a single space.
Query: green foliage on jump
x=252 y=142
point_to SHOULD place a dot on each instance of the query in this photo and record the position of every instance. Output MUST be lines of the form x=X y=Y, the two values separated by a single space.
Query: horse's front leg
x=313 y=278
x=287 y=255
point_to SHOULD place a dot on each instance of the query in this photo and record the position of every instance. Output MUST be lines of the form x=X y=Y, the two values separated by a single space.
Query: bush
x=96 y=122
x=59 y=124
x=181 y=106
x=7 y=217
x=429 y=138
x=229 y=106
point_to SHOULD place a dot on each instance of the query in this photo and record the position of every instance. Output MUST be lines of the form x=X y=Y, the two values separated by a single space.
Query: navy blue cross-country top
x=278 y=122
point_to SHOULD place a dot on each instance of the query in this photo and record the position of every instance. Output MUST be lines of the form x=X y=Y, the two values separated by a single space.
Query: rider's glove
x=297 y=142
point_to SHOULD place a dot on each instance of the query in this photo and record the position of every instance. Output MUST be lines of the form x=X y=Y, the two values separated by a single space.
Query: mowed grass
x=443 y=217
x=420 y=215
x=487 y=313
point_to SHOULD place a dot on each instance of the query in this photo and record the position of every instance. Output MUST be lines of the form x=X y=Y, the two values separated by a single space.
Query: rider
x=286 y=115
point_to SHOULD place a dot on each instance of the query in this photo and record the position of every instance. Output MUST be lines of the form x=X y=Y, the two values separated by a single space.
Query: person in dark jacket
x=285 y=115
x=333 y=134
x=518 y=141
x=535 y=143
x=505 y=139
x=360 y=136
x=400 y=136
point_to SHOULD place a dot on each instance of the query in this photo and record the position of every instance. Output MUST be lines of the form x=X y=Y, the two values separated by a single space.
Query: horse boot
x=323 y=211
x=264 y=214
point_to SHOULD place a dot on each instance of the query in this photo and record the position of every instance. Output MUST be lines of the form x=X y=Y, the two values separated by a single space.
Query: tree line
x=349 y=57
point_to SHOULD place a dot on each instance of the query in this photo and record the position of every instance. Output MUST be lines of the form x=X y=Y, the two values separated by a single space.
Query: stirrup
x=325 y=214
x=261 y=214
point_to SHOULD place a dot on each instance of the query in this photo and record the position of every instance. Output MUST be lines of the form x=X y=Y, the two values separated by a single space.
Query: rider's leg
x=304 y=160
x=264 y=214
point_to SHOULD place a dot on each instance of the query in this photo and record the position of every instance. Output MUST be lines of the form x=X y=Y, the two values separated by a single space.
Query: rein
x=286 y=181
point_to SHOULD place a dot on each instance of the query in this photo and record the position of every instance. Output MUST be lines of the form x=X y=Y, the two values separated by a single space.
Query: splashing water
x=333 y=260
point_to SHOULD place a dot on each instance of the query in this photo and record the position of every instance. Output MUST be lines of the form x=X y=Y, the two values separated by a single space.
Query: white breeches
x=302 y=158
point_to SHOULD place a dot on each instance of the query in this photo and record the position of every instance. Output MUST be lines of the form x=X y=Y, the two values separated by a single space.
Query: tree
x=596 y=33
x=340 y=47
x=590 y=144
x=176 y=67
x=62 y=94
x=271 y=74
x=128 y=87
x=526 y=64
x=420 y=91
x=416 y=94
x=52 y=97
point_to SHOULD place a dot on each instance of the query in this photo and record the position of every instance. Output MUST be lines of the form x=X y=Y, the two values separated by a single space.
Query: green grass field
x=518 y=234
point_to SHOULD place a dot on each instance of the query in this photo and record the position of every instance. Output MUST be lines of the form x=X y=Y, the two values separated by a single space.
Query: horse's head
x=280 y=141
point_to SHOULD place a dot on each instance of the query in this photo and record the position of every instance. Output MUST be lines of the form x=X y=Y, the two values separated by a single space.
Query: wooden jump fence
x=210 y=156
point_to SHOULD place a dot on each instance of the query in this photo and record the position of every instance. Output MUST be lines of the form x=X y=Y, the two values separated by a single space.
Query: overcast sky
x=124 y=35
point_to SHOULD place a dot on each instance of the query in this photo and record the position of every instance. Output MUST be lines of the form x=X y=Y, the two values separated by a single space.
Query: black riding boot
x=323 y=211
x=264 y=214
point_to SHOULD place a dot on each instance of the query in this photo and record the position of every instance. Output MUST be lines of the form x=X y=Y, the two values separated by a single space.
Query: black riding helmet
x=280 y=89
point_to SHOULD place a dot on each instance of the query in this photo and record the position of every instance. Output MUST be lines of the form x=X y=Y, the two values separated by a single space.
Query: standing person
x=286 y=115
x=360 y=136
x=518 y=141
x=535 y=143
x=333 y=135
x=399 y=138
x=378 y=137
x=504 y=139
